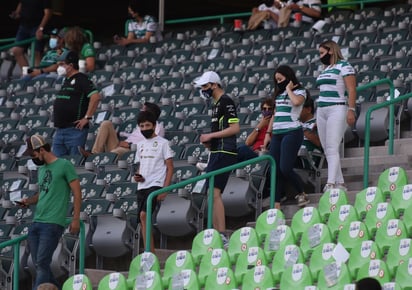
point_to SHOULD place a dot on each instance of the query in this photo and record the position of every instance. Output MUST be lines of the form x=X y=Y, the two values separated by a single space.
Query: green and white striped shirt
x=286 y=114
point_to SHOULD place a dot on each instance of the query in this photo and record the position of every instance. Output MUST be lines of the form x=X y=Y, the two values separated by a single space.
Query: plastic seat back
x=343 y=277
x=184 y=279
x=303 y=219
x=390 y=231
x=279 y=237
x=252 y=257
x=204 y=242
x=375 y=269
x=150 y=280
x=402 y=200
x=361 y=254
x=260 y=277
x=240 y=241
x=267 y=221
x=403 y=275
x=175 y=263
x=392 y=180
x=296 y=277
x=142 y=263
x=378 y=215
x=285 y=258
x=330 y=201
x=321 y=257
x=78 y=281
x=211 y=261
x=340 y=217
x=367 y=198
x=221 y=279
x=398 y=253
x=113 y=281
x=353 y=233
x=313 y=238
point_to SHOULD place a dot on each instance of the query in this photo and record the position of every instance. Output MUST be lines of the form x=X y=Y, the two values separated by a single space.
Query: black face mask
x=326 y=59
x=206 y=94
x=282 y=85
x=37 y=161
x=147 y=133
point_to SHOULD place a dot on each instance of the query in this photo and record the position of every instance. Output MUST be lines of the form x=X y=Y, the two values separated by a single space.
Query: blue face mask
x=207 y=94
x=267 y=113
x=53 y=43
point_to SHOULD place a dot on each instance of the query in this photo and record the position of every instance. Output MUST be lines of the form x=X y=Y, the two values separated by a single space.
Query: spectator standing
x=107 y=139
x=155 y=169
x=48 y=64
x=33 y=15
x=221 y=140
x=75 y=39
x=287 y=133
x=73 y=107
x=335 y=107
x=140 y=27
x=57 y=179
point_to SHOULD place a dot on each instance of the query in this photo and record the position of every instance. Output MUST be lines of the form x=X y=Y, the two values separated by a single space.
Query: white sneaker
x=302 y=199
x=341 y=186
x=201 y=166
x=328 y=186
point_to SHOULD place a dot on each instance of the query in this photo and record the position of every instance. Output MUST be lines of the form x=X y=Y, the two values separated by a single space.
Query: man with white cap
x=221 y=141
x=57 y=180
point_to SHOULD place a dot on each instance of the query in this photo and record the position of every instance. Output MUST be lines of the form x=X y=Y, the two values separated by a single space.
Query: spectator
x=48 y=64
x=107 y=139
x=155 y=170
x=310 y=10
x=335 y=107
x=221 y=140
x=141 y=26
x=34 y=15
x=311 y=141
x=368 y=283
x=73 y=107
x=266 y=13
x=57 y=179
x=287 y=133
x=76 y=40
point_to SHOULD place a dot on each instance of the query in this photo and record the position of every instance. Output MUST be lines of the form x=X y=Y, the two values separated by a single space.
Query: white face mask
x=61 y=71
x=53 y=43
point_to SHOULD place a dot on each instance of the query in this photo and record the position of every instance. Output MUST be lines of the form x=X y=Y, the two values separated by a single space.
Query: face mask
x=53 y=43
x=326 y=59
x=37 y=161
x=207 y=94
x=61 y=71
x=130 y=16
x=282 y=85
x=147 y=133
x=266 y=113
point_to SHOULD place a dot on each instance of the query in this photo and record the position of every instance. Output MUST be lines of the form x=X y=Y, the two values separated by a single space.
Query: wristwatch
x=257 y=129
x=41 y=28
x=88 y=117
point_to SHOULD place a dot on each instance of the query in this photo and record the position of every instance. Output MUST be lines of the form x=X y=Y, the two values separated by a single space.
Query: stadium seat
x=240 y=240
x=391 y=180
x=277 y=238
x=221 y=279
x=268 y=221
x=342 y=277
x=284 y=258
x=368 y=198
x=403 y=274
x=140 y=264
x=391 y=286
x=398 y=253
x=205 y=241
x=78 y=281
x=113 y=281
x=313 y=238
x=259 y=277
x=378 y=122
x=149 y=280
x=362 y=253
x=353 y=233
x=375 y=269
x=211 y=261
x=379 y=215
x=321 y=257
x=297 y=276
x=176 y=262
x=252 y=257
x=340 y=217
x=303 y=219
x=330 y=201
x=402 y=200
x=389 y=232
x=184 y=279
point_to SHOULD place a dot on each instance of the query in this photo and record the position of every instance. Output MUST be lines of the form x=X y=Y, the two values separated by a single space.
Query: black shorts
x=142 y=196
x=220 y=160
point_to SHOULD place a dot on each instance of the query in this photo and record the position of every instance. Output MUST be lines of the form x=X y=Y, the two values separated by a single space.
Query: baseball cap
x=69 y=56
x=34 y=142
x=56 y=32
x=207 y=77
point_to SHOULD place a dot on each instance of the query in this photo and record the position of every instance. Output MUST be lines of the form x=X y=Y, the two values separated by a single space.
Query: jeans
x=284 y=149
x=43 y=239
x=331 y=122
x=245 y=152
x=67 y=140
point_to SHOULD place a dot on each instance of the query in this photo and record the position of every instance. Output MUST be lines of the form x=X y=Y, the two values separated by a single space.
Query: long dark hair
x=289 y=74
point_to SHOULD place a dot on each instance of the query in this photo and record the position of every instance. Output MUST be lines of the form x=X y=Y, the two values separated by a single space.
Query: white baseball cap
x=207 y=77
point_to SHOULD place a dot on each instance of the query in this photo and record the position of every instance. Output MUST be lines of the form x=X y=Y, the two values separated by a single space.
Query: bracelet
x=352 y=109
x=267 y=132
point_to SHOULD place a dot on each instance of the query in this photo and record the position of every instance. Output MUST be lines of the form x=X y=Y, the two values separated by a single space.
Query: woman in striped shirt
x=335 y=107
x=287 y=132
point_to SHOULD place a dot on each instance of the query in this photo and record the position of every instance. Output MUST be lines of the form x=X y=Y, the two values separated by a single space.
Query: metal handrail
x=211 y=176
x=15 y=242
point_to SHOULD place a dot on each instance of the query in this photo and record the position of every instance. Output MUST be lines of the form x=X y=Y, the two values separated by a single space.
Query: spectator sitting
x=48 y=64
x=310 y=9
x=76 y=40
x=266 y=13
x=108 y=141
x=141 y=26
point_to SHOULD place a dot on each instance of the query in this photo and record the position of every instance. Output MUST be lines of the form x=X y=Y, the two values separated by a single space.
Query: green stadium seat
x=353 y=233
x=378 y=215
x=176 y=262
x=343 y=277
x=313 y=238
x=78 y=281
x=321 y=257
x=184 y=279
x=140 y=264
x=113 y=281
x=303 y=219
x=375 y=269
x=268 y=221
x=392 y=180
x=240 y=240
x=277 y=238
x=258 y=277
x=390 y=231
x=402 y=200
x=403 y=275
x=205 y=241
x=252 y=257
x=330 y=201
x=285 y=258
x=297 y=276
x=211 y=261
x=149 y=280
x=221 y=279
x=407 y=219
x=340 y=217
x=368 y=198
x=398 y=253
x=362 y=253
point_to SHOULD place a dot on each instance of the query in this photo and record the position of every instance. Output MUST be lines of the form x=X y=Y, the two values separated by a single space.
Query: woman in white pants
x=335 y=107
